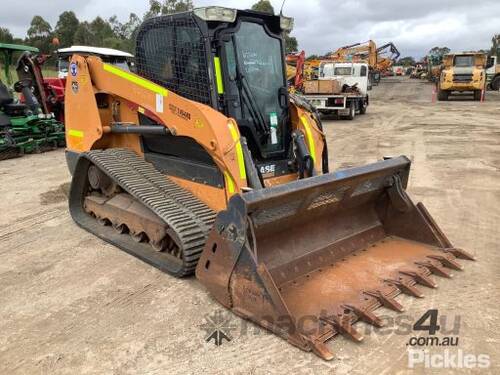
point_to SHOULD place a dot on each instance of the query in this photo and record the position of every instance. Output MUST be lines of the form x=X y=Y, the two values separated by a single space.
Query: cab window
x=464 y=61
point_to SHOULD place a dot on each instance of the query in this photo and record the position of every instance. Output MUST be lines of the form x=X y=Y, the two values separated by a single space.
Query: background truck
x=379 y=60
x=493 y=73
x=342 y=89
x=462 y=72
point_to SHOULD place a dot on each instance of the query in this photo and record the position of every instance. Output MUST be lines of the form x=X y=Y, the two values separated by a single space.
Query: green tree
x=40 y=34
x=406 y=61
x=6 y=36
x=160 y=7
x=39 y=28
x=83 y=35
x=66 y=27
x=291 y=44
x=439 y=51
x=101 y=30
x=263 y=6
x=125 y=30
x=125 y=33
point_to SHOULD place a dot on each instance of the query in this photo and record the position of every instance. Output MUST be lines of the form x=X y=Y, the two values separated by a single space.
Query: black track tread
x=190 y=218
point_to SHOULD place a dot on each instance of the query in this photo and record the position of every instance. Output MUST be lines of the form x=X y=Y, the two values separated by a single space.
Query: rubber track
x=190 y=218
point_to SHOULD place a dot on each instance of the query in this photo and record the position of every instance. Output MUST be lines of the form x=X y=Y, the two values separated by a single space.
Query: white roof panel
x=94 y=50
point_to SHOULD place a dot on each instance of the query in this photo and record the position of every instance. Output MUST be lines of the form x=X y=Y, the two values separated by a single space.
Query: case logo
x=73 y=68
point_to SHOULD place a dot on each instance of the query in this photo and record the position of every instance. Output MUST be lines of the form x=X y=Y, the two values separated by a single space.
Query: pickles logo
x=218 y=327
x=424 y=349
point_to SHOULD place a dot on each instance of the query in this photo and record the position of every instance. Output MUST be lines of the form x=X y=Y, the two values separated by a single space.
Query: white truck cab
x=352 y=98
x=493 y=73
x=116 y=57
x=347 y=73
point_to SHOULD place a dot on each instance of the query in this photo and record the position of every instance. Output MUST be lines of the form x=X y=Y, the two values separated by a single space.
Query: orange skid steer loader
x=203 y=162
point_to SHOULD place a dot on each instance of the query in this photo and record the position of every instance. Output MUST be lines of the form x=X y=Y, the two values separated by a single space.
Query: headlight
x=216 y=14
x=286 y=23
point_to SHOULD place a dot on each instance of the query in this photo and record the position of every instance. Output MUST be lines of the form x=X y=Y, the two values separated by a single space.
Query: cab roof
x=93 y=51
x=18 y=47
x=465 y=54
x=272 y=21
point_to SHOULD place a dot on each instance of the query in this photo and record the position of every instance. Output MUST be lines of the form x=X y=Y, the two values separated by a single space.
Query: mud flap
x=308 y=259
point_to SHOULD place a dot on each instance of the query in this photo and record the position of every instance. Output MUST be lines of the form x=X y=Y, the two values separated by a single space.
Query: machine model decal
x=179 y=112
x=268 y=170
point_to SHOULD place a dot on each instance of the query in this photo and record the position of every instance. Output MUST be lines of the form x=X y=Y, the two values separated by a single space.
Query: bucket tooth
x=386 y=301
x=343 y=327
x=420 y=279
x=366 y=316
x=319 y=348
x=448 y=262
x=435 y=269
x=407 y=289
x=461 y=254
x=333 y=243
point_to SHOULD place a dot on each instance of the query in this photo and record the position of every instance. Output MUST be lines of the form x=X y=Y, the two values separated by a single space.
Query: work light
x=286 y=23
x=216 y=14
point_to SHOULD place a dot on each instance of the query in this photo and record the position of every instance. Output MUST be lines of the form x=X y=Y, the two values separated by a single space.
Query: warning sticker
x=159 y=103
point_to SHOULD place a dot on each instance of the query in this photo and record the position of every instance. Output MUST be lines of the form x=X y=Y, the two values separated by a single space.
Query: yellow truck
x=462 y=72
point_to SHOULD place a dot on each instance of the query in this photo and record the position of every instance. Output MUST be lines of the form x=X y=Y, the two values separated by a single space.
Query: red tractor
x=48 y=91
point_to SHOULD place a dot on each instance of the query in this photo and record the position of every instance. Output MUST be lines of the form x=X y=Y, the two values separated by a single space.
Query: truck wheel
x=352 y=111
x=362 y=108
x=477 y=95
x=495 y=83
x=442 y=95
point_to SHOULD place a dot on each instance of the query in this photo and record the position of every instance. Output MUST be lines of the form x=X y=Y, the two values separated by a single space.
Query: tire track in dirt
x=31 y=221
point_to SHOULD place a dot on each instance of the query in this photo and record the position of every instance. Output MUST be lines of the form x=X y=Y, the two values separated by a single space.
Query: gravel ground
x=70 y=303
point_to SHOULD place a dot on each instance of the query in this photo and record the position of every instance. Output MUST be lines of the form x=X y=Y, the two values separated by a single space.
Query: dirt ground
x=71 y=304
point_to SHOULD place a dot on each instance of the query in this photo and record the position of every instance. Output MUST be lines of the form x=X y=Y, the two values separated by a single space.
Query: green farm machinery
x=25 y=124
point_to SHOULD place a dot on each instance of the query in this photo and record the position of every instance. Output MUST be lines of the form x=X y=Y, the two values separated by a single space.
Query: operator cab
x=232 y=60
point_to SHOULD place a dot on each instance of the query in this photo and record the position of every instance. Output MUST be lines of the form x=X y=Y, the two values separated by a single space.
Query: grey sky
x=320 y=25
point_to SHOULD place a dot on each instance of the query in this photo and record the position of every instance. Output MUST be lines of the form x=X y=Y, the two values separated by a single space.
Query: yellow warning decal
x=239 y=150
x=218 y=75
x=75 y=133
x=310 y=139
x=229 y=183
x=139 y=81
